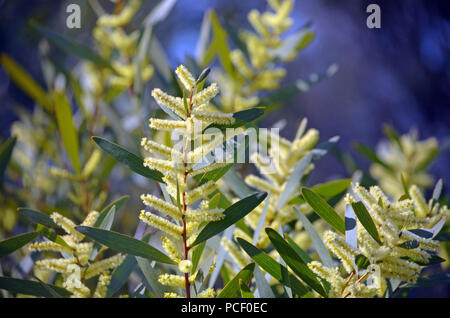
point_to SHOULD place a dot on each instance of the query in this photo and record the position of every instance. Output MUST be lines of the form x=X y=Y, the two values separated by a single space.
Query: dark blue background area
x=399 y=74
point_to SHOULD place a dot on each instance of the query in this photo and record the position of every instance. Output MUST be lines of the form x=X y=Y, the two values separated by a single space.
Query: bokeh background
x=399 y=74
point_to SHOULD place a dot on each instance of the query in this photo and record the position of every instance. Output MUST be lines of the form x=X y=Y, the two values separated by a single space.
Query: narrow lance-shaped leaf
x=120 y=275
x=22 y=79
x=14 y=243
x=28 y=287
x=232 y=290
x=366 y=221
x=127 y=158
x=317 y=242
x=262 y=284
x=326 y=190
x=294 y=261
x=105 y=224
x=245 y=291
x=124 y=243
x=37 y=217
x=232 y=214
x=278 y=271
x=67 y=129
x=350 y=227
x=6 y=150
x=323 y=209
x=371 y=155
x=104 y=212
x=51 y=235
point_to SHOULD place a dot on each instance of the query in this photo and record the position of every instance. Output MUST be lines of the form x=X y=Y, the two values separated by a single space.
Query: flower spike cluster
x=402 y=252
x=258 y=72
x=75 y=266
x=181 y=219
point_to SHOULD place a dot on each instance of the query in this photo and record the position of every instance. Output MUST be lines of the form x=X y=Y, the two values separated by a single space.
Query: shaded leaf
x=366 y=221
x=245 y=291
x=232 y=289
x=127 y=158
x=120 y=275
x=232 y=214
x=6 y=150
x=28 y=287
x=361 y=262
x=104 y=212
x=14 y=243
x=37 y=217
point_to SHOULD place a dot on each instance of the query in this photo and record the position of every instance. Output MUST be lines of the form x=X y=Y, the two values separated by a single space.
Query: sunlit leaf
x=232 y=288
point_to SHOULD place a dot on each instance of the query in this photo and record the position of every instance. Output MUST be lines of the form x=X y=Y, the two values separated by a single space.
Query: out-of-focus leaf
x=37 y=217
x=366 y=221
x=72 y=47
x=326 y=190
x=127 y=158
x=232 y=290
x=294 y=179
x=197 y=254
x=22 y=79
x=262 y=284
x=411 y=244
x=323 y=209
x=433 y=260
x=437 y=190
x=14 y=243
x=278 y=271
x=294 y=261
x=317 y=242
x=221 y=44
x=6 y=150
x=245 y=291
x=124 y=244
x=67 y=128
x=232 y=214
x=303 y=255
x=371 y=155
x=28 y=287
x=159 y=12
x=151 y=276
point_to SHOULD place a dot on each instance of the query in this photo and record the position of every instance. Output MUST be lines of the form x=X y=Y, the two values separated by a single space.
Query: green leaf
x=411 y=244
x=326 y=190
x=120 y=275
x=241 y=118
x=232 y=290
x=127 y=158
x=371 y=155
x=6 y=150
x=433 y=260
x=124 y=244
x=14 y=243
x=220 y=43
x=294 y=261
x=307 y=37
x=22 y=79
x=51 y=235
x=232 y=214
x=117 y=203
x=315 y=238
x=278 y=271
x=72 y=47
x=151 y=277
x=105 y=224
x=245 y=291
x=323 y=209
x=37 y=217
x=28 y=287
x=361 y=262
x=67 y=128
x=303 y=255
x=197 y=254
x=215 y=174
x=364 y=217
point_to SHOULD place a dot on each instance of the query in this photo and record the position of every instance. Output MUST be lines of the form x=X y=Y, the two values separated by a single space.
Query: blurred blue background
x=399 y=74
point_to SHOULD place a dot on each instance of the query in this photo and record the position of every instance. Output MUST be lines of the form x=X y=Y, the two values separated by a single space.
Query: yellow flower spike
x=217 y=118
x=207 y=293
x=204 y=215
x=121 y=19
x=421 y=207
x=172 y=280
x=162 y=224
x=185 y=77
x=67 y=225
x=102 y=285
x=185 y=266
x=104 y=265
x=165 y=166
x=235 y=253
x=205 y=95
x=162 y=206
x=56 y=264
x=90 y=219
x=175 y=104
x=165 y=124
x=261 y=184
x=255 y=20
x=49 y=246
x=200 y=192
x=171 y=249
x=341 y=249
x=209 y=168
x=172 y=295
x=239 y=61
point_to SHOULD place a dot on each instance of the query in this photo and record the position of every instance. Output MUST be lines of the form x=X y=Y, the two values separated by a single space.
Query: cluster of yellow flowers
x=408 y=159
x=276 y=168
x=182 y=222
x=259 y=73
x=406 y=229
x=116 y=45
x=75 y=265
